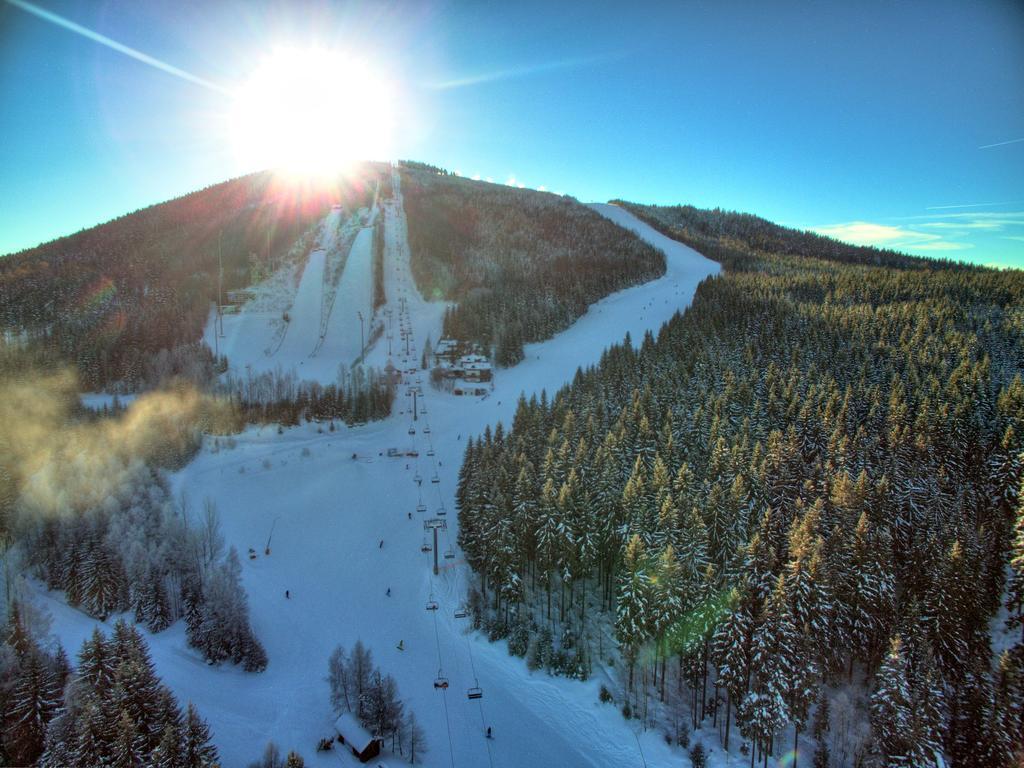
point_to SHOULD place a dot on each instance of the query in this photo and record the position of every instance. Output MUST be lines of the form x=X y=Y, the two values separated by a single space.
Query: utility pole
x=414 y=405
x=362 y=344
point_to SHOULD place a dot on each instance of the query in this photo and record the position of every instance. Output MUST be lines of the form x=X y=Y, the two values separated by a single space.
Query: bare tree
x=210 y=536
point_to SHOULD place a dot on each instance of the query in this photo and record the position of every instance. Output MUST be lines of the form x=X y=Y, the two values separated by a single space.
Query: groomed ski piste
x=346 y=530
x=323 y=328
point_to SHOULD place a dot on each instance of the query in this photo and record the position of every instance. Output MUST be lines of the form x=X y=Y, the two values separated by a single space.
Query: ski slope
x=322 y=333
x=346 y=529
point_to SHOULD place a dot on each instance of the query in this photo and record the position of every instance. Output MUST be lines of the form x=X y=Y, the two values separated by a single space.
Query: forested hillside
x=112 y=709
x=522 y=265
x=108 y=298
x=809 y=479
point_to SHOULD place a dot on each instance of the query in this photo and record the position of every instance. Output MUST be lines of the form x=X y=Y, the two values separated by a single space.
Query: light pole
x=362 y=344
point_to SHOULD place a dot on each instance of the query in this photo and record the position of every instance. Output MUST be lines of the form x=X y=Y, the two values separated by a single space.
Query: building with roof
x=351 y=733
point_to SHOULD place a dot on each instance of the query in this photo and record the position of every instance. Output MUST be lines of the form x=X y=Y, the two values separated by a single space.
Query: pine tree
x=33 y=704
x=633 y=598
x=774 y=660
x=91 y=743
x=1015 y=588
x=58 y=751
x=891 y=707
x=168 y=753
x=197 y=750
x=731 y=650
x=127 y=745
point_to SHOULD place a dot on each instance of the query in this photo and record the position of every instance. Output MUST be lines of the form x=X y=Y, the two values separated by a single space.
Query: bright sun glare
x=311 y=111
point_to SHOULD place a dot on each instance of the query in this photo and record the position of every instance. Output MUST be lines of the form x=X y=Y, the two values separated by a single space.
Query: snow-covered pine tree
x=774 y=657
x=96 y=663
x=891 y=707
x=731 y=651
x=631 y=620
x=128 y=744
x=197 y=749
x=1015 y=587
x=168 y=753
x=32 y=705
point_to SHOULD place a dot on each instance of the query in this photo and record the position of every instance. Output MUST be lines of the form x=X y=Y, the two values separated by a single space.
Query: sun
x=311 y=112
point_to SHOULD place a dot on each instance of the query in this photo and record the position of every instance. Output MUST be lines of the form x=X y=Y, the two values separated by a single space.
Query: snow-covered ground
x=323 y=327
x=346 y=529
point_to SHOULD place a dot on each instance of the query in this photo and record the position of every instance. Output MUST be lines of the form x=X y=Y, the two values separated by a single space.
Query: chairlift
x=435 y=479
x=442 y=512
x=417 y=479
x=426 y=430
x=430 y=451
x=421 y=508
x=475 y=693
x=431 y=605
x=425 y=547
x=449 y=554
x=440 y=681
x=412 y=430
x=461 y=612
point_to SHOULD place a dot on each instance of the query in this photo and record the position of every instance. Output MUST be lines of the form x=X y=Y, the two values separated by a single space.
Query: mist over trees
x=810 y=478
x=522 y=265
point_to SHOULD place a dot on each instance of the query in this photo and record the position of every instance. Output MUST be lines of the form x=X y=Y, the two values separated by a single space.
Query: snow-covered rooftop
x=352 y=732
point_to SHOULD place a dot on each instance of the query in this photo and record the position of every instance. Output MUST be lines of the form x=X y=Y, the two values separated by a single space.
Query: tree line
x=810 y=477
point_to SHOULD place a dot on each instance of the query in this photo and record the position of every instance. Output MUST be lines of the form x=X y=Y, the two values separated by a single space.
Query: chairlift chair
x=421 y=508
x=442 y=512
x=449 y=554
x=430 y=451
x=425 y=547
x=475 y=693
x=461 y=612
x=440 y=681
x=412 y=430
x=417 y=479
x=426 y=430
x=431 y=605
x=435 y=479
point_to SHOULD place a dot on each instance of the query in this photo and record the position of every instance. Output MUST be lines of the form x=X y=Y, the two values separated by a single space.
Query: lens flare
x=311 y=112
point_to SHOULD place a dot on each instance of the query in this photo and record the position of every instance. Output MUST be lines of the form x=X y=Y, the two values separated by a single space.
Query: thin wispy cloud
x=970 y=205
x=526 y=70
x=85 y=32
x=1001 y=143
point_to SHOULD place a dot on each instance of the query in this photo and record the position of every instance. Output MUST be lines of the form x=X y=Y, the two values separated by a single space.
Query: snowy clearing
x=346 y=529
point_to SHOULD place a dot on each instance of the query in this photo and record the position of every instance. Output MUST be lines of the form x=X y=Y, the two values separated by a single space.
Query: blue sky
x=899 y=124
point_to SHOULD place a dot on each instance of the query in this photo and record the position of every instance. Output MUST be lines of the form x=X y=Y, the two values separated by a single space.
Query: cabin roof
x=354 y=734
